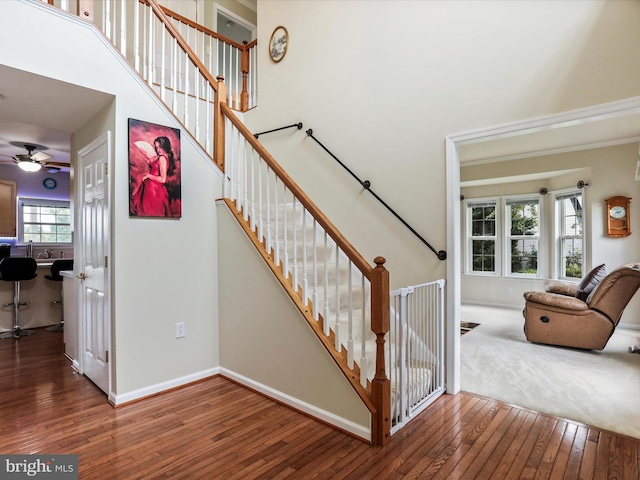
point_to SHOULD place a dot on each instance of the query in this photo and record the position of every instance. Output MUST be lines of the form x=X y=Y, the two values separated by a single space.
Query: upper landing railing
x=152 y=39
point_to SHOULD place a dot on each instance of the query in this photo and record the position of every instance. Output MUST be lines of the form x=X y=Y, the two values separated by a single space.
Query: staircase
x=343 y=298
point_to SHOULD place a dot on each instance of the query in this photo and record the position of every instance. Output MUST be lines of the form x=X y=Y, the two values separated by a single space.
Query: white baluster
x=284 y=232
x=207 y=118
x=123 y=28
x=107 y=20
x=187 y=81
x=277 y=236
x=363 y=343
x=150 y=37
x=245 y=175
x=260 y=207
x=136 y=36
x=338 y=344
x=326 y=285
x=196 y=126
x=294 y=234
x=314 y=299
x=350 y=325
x=174 y=75
x=267 y=186
x=305 y=282
x=162 y=66
x=253 y=194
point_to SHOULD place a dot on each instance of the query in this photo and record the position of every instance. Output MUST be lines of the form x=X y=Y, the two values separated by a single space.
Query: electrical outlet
x=509 y=291
x=180 y=330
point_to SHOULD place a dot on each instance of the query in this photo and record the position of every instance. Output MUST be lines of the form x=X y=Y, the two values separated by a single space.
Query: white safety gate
x=415 y=350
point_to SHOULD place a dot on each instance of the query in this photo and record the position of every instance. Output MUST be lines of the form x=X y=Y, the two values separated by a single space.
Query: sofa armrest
x=556 y=300
x=567 y=289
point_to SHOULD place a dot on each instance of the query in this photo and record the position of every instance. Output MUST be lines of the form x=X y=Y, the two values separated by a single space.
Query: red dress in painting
x=152 y=197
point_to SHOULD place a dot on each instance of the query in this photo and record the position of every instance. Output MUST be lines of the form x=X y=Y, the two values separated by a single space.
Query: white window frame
x=41 y=202
x=559 y=215
x=468 y=205
x=507 y=202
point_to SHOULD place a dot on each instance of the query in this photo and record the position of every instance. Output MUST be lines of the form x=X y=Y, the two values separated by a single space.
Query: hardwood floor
x=217 y=429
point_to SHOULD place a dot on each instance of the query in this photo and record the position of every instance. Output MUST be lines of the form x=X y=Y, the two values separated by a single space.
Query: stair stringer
x=263 y=338
x=353 y=375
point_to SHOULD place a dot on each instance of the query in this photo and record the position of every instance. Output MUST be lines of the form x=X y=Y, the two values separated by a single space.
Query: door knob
x=81 y=276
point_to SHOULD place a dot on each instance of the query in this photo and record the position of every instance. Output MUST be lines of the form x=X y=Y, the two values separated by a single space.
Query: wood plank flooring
x=217 y=429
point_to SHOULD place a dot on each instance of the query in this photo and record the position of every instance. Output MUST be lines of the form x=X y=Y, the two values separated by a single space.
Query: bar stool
x=16 y=270
x=56 y=267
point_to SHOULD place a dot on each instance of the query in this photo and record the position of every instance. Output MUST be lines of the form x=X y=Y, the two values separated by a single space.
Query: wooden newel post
x=218 y=123
x=244 y=68
x=380 y=386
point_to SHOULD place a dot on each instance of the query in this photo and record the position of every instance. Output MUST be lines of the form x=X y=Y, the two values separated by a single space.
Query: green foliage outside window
x=573 y=264
x=483 y=224
x=524 y=251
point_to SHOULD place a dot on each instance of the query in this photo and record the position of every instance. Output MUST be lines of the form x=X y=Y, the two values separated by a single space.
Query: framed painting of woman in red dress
x=154 y=170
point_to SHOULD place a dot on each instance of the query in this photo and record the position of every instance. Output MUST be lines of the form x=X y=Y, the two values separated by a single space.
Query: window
x=570 y=234
x=44 y=221
x=523 y=235
x=483 y=236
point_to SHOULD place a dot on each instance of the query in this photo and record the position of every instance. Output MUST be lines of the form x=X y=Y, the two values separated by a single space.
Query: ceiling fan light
x=29 y=165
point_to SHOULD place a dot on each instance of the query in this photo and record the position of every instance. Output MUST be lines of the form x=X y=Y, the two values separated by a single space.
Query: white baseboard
x=510 y=306
x=327 y=417
x=161 y=387
x=629 y=326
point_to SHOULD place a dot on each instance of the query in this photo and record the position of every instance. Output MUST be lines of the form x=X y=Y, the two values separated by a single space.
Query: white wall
x=382 y=83
x=163 y=271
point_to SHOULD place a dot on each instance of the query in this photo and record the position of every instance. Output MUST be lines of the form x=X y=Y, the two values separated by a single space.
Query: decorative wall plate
x=278 y=44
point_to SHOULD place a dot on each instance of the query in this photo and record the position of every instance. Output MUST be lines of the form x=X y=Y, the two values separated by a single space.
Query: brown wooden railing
x=198 y=98
x=258 y=188
x=241 y=59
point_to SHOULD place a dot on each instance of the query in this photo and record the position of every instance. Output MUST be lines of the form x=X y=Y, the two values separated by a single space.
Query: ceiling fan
x=32 y=162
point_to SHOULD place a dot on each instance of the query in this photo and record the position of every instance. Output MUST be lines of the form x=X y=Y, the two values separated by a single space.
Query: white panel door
x=94 y=236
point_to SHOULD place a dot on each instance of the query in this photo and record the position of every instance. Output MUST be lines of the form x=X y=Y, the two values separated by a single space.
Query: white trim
x=118 y=399
x=323 y=415
x=549 y=122
x=452 y=362
x=629 y=326
x=78 y=253
x=235 y=17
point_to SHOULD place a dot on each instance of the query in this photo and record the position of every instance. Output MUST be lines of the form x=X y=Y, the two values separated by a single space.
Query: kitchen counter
x=39 y=292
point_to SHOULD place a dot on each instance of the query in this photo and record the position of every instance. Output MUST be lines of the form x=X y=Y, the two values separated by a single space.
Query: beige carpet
x=600 y=389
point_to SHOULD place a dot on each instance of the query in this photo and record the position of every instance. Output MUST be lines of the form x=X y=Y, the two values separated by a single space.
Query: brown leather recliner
x=558 y=317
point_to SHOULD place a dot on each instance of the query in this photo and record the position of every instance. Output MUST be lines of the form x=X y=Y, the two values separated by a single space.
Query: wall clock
x=49 y=183
x=618 y=212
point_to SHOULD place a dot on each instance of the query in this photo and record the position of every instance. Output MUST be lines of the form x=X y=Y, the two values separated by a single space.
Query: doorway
x=93 y=261
x=615 y=123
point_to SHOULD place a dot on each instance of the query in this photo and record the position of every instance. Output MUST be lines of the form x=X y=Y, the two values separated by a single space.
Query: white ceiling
x=44 y=112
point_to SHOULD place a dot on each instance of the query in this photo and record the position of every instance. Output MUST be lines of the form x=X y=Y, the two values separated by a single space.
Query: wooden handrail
x=331 y=229
x=244 y=48
x=378 y=277
x=202 y=28
x=159 y=12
